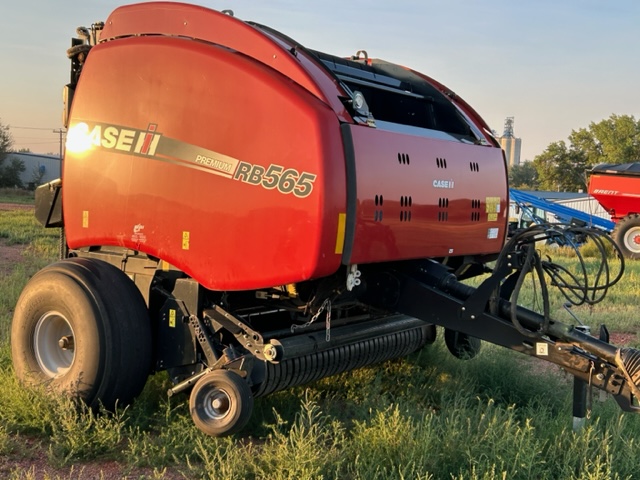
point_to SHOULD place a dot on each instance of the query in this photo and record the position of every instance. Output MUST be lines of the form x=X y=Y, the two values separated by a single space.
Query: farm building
x=38 y=169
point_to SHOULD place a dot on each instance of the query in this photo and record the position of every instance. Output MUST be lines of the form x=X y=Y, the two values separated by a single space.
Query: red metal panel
x=426 y=197
x=168 y=121
x=618 y=194
x=192 y=21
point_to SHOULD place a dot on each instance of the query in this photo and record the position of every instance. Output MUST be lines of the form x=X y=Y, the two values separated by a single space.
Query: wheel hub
x=217 y=403
x=632 y=239
x=53 y=344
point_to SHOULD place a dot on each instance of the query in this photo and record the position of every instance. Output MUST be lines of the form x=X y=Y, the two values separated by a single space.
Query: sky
x=553 y=65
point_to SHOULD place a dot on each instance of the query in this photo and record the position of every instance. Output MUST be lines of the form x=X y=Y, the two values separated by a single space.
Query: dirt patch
x=622 y=339
x=14 y=206
x=37 y=467
x=10 y=255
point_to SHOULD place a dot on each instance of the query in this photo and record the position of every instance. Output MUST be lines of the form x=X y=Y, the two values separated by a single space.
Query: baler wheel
x=81 y=328
x=221 y=403
x=626 y=236
x=461 y=345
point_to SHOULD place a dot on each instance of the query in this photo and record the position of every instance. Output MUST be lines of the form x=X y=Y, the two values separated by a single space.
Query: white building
x=38 y=169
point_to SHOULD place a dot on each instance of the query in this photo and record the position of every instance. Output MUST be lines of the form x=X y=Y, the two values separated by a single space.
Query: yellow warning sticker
x=164 y=266
x=185 y=240
x=85 y=219
x=342 y=220
x=172 y=318
x=492 y=204
x=492 y=217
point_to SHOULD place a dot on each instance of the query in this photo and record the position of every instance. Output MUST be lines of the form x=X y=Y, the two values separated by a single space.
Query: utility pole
x=60 y=132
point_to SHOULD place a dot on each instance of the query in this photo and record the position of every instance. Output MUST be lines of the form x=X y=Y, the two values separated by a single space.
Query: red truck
x=249 y=214
x=617 y=189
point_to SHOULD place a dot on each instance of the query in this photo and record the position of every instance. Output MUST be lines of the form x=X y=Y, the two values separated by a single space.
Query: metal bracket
x=199 y=331
x=247 y=336
x=476 y=304
x=353 y=277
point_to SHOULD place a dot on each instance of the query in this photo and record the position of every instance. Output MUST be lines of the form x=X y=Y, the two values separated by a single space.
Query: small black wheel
x=626 y=236
x=461 y=345
x=81 y=328
x=221 y=403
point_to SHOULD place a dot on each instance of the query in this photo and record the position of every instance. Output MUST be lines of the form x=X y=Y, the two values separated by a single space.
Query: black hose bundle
x=589 y=285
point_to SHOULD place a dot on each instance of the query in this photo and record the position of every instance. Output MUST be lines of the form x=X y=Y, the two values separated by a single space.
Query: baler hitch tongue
x=628 y=361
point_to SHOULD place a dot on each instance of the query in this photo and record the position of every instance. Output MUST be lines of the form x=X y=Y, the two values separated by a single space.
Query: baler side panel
x=421 y=197
x=199 y=194
x=192 y=21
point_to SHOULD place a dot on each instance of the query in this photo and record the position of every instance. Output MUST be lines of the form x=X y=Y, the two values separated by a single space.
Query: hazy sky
x=554 y=65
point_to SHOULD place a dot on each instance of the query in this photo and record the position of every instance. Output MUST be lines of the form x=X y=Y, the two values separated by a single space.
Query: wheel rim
x=632 y=239
x=53 y=344
x=216 y=404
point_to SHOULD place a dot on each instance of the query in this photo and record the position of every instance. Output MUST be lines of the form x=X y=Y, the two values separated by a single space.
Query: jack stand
x=580 y=406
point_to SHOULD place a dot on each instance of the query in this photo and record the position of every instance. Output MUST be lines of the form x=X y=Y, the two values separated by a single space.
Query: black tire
x=461 y=345
x=221 y=403
x=626 y=236
x=103 y=317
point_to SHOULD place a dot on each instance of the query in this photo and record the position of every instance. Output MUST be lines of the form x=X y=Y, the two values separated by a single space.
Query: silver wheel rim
x=216 y=404
x=632 y=239
x=53 y=344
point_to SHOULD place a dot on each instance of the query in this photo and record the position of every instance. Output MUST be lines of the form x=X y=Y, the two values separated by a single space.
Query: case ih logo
x=81 y=138
x=443 y=184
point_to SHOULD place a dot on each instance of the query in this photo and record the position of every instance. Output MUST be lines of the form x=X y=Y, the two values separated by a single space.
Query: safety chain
x=325 y=305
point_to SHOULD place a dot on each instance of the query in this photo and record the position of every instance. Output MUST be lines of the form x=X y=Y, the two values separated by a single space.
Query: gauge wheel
x=221 y=403
x=461 y=345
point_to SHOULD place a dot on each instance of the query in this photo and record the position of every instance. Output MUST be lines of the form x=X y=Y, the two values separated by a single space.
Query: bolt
x=600 y=376
x=66 y=343
x=270 y=352
x=463 y=309
x=473 y=317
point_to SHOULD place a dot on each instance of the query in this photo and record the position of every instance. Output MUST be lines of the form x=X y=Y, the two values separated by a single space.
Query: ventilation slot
x=406 y=202
x=443 y=205
x=474 y=166
x=475 y=210
x=377 y=214
x=441 y=162
x=403 y=159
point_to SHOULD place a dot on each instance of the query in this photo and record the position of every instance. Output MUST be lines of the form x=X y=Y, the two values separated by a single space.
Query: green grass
x=427 y=416
x=16 y=195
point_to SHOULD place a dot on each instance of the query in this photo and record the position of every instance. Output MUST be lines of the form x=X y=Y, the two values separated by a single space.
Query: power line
x=27 y=139
x=33 y=128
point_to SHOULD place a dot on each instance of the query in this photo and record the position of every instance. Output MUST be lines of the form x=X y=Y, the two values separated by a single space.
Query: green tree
x=561 y=168
x=6 y=141
x=523 y=176
x=10 y=167
x=612 y=140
